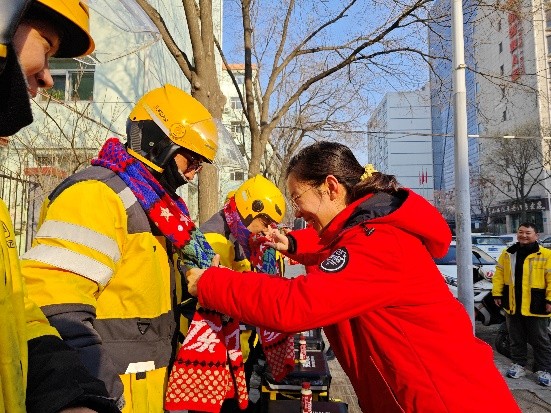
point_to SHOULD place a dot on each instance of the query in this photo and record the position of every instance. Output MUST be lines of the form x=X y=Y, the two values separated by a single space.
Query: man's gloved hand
x=12 y=11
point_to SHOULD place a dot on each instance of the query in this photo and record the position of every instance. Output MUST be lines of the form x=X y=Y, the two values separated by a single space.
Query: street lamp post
x=463 y=201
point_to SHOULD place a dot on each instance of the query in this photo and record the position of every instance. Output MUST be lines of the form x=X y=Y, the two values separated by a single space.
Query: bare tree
x=62 y=140
x=444 y=201
x=482 y=204
x=201 y=72
x=517 y=166
x=299 y=45
x=328 y=111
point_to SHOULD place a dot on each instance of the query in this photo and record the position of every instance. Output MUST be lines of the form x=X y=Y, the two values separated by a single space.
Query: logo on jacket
x=336 y=261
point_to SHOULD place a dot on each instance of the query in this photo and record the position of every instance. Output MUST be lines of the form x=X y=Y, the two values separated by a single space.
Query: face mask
x=172 y=178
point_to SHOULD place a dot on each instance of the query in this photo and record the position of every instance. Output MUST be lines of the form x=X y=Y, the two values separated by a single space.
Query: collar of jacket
x=535 y=247
x=364 y=209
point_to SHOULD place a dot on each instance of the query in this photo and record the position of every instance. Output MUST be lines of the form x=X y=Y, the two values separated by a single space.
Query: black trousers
x=524 y=330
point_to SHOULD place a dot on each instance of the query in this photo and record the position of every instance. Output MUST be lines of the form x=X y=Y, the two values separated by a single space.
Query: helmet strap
x=145 y=161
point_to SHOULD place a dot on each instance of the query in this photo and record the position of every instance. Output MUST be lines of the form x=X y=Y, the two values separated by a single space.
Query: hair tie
x=369 y=170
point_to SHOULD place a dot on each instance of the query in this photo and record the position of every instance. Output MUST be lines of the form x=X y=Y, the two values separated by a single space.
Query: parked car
x=484 y=267
x=509 y=239
x=491 y=244
x=546 y=242
x=483 y=264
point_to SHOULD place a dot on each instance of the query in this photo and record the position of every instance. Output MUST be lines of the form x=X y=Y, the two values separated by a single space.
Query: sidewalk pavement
x=530 y=396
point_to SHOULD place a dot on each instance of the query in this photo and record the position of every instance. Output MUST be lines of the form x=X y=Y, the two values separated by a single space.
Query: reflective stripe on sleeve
x=70 y=261
x=127 y=197
x=140 y=367
x=80 y=235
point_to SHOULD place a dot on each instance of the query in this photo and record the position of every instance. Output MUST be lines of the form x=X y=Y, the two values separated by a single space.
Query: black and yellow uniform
x=38 y=371
x=106 y=282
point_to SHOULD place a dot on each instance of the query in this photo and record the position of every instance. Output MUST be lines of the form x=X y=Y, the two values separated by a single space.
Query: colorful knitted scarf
x=209 y=366
x=278 y=348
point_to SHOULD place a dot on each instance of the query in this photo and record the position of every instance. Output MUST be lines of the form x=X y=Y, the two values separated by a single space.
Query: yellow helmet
x=258 y=196
x=72 y=18
x=169 y=112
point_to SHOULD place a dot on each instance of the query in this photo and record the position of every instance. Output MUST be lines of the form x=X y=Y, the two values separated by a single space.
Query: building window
x=237 y=128
x=502 y=70
x=548 y=17
x=502 y=92
x=237 y=176
x=508 y=186
x=500 y=46
x=499 y=25
x=73 y=81
x=548 y=44
x=236 y=103
x=239 y=78
x=504 y=115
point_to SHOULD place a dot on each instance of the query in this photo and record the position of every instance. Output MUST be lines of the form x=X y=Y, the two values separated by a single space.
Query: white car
x=491 y=244
x=509 y=239
x=545 y=242
x=484 y=267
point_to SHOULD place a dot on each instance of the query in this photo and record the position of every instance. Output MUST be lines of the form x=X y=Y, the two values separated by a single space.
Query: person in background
x=102 y=264
x=522 y=287
x=404 y=341
x=249 y=211
x=39 y=373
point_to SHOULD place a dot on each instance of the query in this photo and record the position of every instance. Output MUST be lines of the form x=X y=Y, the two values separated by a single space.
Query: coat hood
x=404 y=210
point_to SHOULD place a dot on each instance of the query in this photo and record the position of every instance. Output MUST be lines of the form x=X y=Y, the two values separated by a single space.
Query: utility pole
x=463 y=199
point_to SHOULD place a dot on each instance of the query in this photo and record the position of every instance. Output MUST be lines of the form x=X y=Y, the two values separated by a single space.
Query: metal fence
x=21 y=198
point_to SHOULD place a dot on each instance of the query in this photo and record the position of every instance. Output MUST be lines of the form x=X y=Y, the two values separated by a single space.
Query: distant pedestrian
x=404 y=341
x=522 y=287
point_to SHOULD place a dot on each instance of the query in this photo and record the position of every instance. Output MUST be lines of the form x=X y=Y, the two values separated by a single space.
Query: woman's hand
x=194 y=274
x=279 y=242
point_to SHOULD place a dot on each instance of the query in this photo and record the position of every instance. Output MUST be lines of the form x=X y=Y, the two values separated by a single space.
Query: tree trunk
x=212 y=98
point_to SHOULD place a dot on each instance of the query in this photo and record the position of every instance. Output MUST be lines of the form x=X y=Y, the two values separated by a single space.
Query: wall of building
x=513 y=96
x=400 y=140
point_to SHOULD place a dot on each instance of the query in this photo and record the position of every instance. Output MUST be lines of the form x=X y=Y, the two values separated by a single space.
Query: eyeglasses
x=266 y=220
x=193 y=163
x=296 y=198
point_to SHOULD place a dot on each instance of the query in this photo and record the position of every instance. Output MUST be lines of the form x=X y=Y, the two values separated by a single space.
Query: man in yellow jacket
x=39 y=373
x=101 y=266
x=522 y=287
x=251 y=209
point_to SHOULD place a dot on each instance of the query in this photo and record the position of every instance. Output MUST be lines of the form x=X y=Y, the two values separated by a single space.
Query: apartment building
x=400 y=139
x=512 y=46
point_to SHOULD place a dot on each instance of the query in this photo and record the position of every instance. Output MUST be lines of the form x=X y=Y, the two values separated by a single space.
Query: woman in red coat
x=404 y=341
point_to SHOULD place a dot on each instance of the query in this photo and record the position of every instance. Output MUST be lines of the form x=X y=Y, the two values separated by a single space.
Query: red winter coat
x=401 y=337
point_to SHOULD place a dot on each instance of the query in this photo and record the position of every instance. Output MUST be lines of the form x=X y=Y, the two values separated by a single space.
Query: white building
x=512 y=50
x=235 y=121
x=236 y=170
x=400 y=141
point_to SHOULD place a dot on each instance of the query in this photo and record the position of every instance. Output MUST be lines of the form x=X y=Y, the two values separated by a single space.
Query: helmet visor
x=200 y=137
